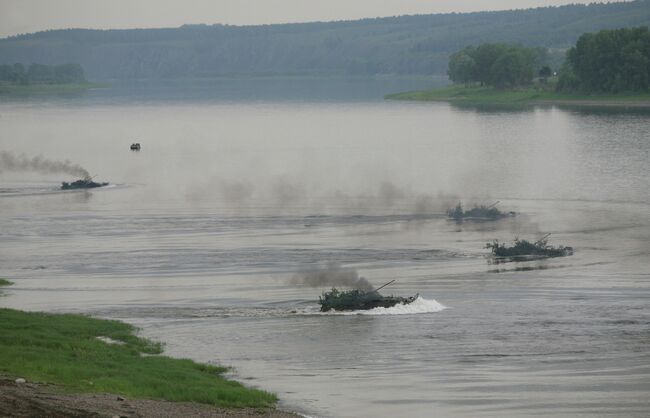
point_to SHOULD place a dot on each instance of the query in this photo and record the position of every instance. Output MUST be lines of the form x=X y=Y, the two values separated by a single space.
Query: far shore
x=530 y=96
x=599 y=103
x=44 y=89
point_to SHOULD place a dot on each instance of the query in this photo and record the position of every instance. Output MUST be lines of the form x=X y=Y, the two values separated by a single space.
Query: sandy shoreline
x=32 y=399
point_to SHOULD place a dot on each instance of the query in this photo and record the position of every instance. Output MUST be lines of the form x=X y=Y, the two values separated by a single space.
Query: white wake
x=418 y=306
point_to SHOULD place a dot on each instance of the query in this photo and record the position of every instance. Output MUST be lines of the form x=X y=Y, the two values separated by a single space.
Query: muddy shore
x=31 y=399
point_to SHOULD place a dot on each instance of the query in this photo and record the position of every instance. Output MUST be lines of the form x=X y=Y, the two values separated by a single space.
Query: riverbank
x=32 y=399
x=76 y=363
x=45 y=89
x=531 y=96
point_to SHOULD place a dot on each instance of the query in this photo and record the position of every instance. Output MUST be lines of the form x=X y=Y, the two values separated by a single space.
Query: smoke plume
x=332 y=275
x=11 y=162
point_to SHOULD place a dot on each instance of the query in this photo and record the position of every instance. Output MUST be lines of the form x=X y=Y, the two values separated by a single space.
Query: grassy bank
x=65 y=350
x=44 y=89
x=489 y=95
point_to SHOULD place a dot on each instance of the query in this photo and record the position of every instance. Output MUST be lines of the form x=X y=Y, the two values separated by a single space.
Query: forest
x=497 y=65
x=404 y=45
x=610 y=61
x=41 y=74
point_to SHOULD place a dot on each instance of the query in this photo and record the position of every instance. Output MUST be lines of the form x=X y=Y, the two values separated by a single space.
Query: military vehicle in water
x=355 y=300
x=525 y=250
x=86 y=183
x=479 y=213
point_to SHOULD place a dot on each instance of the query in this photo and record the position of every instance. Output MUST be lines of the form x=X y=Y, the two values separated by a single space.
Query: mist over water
x=219 y=235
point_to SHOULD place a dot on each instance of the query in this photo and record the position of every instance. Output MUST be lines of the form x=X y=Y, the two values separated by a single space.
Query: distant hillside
x=396 y=45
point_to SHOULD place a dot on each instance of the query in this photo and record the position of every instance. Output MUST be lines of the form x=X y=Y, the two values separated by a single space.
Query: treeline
x=498 y=65
x=41 y=74
x=610 y=61
x=394 y=45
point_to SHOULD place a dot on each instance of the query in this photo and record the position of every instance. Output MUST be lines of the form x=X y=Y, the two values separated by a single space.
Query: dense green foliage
x=41 y=74
x=610 y=61
x=498 y=65
x=5 y=282
x=395 y=45
x=65 y=350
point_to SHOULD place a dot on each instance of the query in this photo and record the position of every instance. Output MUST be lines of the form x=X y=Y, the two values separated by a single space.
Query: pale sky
x=24 y=16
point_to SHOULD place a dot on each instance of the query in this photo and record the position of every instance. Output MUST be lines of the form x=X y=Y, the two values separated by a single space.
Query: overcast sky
x=23 y=16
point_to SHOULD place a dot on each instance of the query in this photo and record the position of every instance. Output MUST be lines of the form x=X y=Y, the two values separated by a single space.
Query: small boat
x=86 y=183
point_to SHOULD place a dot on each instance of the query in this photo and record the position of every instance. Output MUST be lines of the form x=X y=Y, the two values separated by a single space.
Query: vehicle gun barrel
x=381 y=287
x=494 y=204
x=543 y=238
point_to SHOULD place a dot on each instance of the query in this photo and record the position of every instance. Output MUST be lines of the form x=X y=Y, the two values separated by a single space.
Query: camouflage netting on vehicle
x=353 y=300
x=523 y=248
x=478 y=212
x=85 y=183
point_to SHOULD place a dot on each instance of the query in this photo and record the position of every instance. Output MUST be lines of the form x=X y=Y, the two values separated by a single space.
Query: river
x=240 y=186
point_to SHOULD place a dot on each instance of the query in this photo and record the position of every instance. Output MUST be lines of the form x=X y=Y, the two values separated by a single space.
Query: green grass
x=5 y=282
x=64 y=350
x=44 y=89
x=490 y=95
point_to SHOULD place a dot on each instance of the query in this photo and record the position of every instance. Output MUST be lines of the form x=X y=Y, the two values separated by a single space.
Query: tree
x=513 y=68
x=485 y=56
x=610 y=61
x=498 y=65
x=13 y=74
x=462 y=67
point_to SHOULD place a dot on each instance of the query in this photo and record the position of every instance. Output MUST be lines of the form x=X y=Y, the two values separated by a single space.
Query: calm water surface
x=199 y=234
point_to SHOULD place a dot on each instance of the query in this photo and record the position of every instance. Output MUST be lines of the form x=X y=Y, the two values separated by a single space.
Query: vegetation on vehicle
x=525 y=249
x=352 y=300
x=478 y=212
x=5 y=282
x=67 y=350
x=610 y=61
x=85 y=183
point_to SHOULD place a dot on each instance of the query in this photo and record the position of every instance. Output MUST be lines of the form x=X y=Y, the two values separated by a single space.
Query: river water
x=198 y=236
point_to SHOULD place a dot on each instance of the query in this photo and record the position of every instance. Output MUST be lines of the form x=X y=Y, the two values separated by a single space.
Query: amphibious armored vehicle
x=525 y=250
x=86 y=183
x=484 y=213
x=355 y=300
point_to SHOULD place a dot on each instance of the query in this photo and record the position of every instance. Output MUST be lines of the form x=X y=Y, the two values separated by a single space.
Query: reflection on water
x=198 y=236
x=237 y=90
